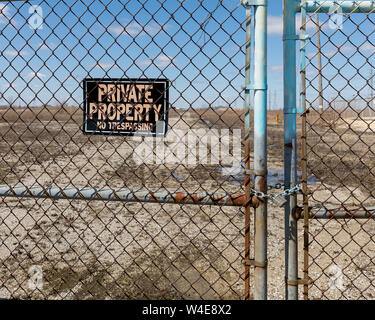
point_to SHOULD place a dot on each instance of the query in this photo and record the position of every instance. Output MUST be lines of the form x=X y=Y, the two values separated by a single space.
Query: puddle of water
x=235 y=175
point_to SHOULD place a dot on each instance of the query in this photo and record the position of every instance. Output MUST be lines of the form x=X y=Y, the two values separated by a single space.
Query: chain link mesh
x=99 y=249
x=340 y=152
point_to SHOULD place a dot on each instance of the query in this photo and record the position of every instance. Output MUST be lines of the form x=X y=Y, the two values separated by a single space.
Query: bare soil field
x=104 y=250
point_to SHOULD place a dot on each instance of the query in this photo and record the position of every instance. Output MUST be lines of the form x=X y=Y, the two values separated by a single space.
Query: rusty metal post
x=304 y=155
x=260 y=148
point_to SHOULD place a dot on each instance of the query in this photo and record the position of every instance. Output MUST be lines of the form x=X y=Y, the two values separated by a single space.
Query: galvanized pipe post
x=260 y=138
x=290 y=155
x=260 y=148
x=247 y=148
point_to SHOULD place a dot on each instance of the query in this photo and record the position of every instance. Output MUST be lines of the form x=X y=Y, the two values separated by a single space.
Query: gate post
x=290 y=155
x=260 y=148
x=260 y=142
x=247 y=148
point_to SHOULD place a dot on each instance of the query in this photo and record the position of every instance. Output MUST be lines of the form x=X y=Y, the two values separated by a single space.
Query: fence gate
x=169 y=217
x=338 y=152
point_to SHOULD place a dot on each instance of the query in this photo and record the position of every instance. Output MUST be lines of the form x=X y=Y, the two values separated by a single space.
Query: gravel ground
x=108 y=250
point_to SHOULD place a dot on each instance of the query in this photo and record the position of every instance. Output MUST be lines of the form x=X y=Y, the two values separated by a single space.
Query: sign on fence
x=126 y=106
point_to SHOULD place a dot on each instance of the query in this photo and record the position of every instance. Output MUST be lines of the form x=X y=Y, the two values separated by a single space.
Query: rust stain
x=195 y=198
x=152 y=196
x=289 y=145
x=239 y=200
x=179 y=196
x=255 y=202
x=219 y=198
x=262 y=184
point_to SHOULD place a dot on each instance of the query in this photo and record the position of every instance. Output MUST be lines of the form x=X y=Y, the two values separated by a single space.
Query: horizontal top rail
x=199 y=198
x=324 y=6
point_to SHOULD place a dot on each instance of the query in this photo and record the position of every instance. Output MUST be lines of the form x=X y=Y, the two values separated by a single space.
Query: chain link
x=277 y=198
x=119 y=250
x=338 y=92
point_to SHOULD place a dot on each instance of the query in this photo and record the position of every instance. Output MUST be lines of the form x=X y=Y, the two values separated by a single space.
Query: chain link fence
x=340 y=154
x=54 y=248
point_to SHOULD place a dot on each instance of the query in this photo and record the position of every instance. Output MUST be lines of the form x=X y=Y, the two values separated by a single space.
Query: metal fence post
x=303 y=153
x=290 y=172
x=260 y=148
x=247 y=147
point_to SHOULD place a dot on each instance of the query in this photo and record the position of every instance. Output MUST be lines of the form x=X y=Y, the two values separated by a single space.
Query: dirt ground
x=106 y=250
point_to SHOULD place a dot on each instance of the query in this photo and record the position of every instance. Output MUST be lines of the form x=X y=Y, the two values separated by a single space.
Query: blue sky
x=151 y=38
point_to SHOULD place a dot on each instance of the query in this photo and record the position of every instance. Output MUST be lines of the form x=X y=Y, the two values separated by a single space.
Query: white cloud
x=135 y=29
x=4 y=12
x=4 y=9
x=9 y=85
x=367 y=47
x=160 y=61
x=331 y=51
x=163 y=61
x=275 y=25
x=32 y=75
x=44 y=46
x=105 y=65
x=15 y=53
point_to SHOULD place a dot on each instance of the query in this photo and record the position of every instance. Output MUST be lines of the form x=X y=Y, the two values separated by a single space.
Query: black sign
x=126 y=106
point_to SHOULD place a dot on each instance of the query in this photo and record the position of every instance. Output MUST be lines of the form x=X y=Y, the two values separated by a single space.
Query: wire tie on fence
x=306 y=111
x=262 y=86
x=296 y=37
x=254 y=263
x=248 y=172
x=299 y=282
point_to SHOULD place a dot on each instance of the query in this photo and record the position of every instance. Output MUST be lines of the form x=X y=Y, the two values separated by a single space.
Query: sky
x=197 y=44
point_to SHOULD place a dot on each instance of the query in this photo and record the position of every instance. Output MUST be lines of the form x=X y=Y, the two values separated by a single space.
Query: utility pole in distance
x=319 y=57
